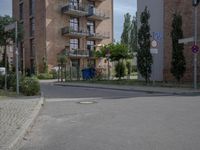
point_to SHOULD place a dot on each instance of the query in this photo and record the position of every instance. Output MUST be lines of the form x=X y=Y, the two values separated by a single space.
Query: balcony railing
x=75 y=10
x=70 y=32
x=98 y=36
x=98 y=0
x=81 y=53
x=97 y=14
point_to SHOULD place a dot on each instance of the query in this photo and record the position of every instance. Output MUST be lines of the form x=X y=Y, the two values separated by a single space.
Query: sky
x=121 y=7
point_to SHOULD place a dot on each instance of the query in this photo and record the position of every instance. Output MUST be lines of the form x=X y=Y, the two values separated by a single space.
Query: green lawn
x=4 y=94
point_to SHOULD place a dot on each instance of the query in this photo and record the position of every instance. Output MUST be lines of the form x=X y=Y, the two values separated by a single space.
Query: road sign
x=10 y=27
x=154 y=51
x=154 y=43
x=195 y=49
x=186 y=40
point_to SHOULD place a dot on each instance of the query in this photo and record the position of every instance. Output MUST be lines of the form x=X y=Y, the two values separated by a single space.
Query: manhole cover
x=87 y=102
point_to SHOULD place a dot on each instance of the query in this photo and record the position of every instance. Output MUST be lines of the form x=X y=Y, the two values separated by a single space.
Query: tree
x=178 y=64
x=118 y=53
x=144 y=57
x=6 y=38
x=133 y=36
x=126 y=30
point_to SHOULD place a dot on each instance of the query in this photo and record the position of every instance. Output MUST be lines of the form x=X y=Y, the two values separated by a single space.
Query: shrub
x=30 y=86
x=45 y=76
x=2 y=81
x=120 y=70
x=54 y=74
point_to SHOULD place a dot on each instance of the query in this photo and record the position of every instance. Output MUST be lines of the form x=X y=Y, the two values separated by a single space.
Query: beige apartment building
x=75 y=28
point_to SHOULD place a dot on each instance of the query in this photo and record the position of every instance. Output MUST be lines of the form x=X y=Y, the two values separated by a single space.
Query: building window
x=91 y=4
x=74 y=2
x=90 y=45
x=74 y=24
x=74 y=44
x=32 y=26
x=31 y=7
x=21 y=11
x=32 y=48
x=91 y=27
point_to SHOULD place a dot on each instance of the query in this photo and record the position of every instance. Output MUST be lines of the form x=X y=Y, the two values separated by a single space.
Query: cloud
x=6 y=7
x=120 y=8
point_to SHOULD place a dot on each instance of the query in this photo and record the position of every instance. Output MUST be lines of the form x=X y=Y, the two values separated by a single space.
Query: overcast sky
x=120 y=8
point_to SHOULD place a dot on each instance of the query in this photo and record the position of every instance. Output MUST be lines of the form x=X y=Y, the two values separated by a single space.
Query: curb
x=129 y=89
x=27 y=126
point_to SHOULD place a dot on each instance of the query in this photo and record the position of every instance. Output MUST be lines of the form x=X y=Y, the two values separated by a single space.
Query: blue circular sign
x=195 y=49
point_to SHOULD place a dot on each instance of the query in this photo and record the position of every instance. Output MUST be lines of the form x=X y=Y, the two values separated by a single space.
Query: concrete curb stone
x=174 y=91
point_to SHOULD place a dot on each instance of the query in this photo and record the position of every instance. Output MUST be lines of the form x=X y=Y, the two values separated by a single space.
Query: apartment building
x=161 y=12
x=75 y=28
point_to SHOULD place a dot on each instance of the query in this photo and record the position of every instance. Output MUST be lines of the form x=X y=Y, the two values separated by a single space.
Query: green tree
x=6 y=38
x=126 y=30
x=133 y=36
x=144 y=57
x=118 y=53
x=178 y=64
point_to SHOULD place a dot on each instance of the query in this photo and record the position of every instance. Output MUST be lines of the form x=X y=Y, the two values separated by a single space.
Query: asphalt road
x=118 y=120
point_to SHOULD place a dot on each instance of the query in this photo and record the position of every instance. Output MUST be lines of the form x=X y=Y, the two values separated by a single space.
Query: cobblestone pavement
x=13 y=114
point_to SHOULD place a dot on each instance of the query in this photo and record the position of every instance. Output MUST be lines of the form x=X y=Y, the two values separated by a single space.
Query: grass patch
x=4 y=94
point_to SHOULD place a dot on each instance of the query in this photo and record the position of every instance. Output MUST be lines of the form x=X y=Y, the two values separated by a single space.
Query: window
x=74 y=44
x=74 y=2
x=32 y=48
x=21 y=11
x=74 y=24
x=90 y=45
x=91 y=27
x=32 y=26
x=31 y=7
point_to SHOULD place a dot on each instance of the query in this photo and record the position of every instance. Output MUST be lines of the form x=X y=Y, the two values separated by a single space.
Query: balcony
x=70 y=32
x=98 y=36
x=79 y=10
x=78 y=53
x=98 y=0
x=97 y=14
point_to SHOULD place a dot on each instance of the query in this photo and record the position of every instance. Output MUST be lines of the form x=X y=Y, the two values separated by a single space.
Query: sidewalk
x=16 y=118
x=153 y=89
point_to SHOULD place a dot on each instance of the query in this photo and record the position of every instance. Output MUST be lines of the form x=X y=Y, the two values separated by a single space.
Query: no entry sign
x=195 y=49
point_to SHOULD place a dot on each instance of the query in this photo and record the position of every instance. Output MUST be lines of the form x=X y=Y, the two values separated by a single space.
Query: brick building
x=161 y=19
x=74 y=27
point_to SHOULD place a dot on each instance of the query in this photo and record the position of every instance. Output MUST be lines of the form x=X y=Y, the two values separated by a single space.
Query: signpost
x=194 y=39
x=154 y=51
x=108 y=59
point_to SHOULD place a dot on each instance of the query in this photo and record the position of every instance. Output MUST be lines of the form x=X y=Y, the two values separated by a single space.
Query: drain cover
x=87 y=102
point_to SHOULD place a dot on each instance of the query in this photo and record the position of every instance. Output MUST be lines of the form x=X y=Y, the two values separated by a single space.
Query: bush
x=45 y=76
x=2 y=81
x=120 y=70
x=54 y=74
x=30 y=86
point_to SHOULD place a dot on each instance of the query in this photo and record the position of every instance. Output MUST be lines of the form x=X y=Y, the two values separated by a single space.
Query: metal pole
x=17 y=55
x=108 y=68
x=195 y=54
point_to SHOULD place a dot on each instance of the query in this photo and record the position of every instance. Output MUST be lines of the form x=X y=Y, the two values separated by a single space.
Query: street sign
x=10 y=27
x=154 y=51
x=186 y=40
x=154 y=43
x=195 y=49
